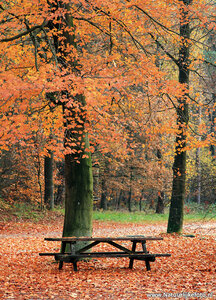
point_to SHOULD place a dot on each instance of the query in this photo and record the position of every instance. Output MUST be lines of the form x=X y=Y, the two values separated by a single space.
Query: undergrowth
x=29 y=211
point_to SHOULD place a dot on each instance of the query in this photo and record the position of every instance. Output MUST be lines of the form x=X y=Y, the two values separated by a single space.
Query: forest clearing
x=191 y=268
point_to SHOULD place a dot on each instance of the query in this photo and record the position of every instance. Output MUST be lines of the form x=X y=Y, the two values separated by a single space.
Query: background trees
x=117 y=71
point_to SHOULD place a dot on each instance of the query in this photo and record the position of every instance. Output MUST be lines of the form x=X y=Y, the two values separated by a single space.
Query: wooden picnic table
x=75 y=255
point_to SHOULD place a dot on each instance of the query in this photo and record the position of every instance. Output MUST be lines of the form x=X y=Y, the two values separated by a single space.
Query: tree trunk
x=78 y=196
x=140 y=203
x=119 y=198
x=130 y=190
x=103 y=202
x=213 y=118
x=175 y=221
x=59 y=196
x=160 y=203
x=129 y=200
x=48 y=177
x=78 y=166
x=198 y=166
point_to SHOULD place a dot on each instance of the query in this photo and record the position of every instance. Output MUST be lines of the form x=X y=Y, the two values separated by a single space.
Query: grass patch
x=27 y=211
x=17 y=211
x=142 y=217
x=124 y=217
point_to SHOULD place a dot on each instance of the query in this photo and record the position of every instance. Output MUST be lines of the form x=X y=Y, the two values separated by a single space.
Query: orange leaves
x=26 y=275
x=131 y=86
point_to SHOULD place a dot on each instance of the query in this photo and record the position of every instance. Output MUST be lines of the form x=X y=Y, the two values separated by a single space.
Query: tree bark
x=78 y=177
x=175 y=221
x=103 y=201
x=130 y=190
x=213 y=118
x=78 y=166
x=129 y=199
x=198 y=166
x=48 y=177
x=78 y=196
x=160 y=203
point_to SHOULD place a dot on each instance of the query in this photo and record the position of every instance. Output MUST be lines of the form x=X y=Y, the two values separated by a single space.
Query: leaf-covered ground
x=190 y=270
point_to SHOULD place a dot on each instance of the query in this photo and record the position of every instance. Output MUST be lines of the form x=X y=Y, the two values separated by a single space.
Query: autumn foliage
x=123 y=58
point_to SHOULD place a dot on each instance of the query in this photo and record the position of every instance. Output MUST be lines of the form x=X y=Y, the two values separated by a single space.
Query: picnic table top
x=104 y=239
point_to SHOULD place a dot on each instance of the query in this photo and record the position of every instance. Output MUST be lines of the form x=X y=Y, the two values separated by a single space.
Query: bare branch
x=40 y=27
x=165 y=51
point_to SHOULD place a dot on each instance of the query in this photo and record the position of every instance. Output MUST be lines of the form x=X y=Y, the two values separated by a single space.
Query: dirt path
x=106 y=229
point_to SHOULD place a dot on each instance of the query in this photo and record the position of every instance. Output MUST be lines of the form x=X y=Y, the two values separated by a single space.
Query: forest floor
x=190 y=272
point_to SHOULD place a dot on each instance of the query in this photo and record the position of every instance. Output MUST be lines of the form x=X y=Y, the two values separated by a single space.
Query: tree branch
x=165 y=51
x=40 y=27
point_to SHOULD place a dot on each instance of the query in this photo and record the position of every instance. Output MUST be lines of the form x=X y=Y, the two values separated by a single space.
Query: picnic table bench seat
x=75 y=255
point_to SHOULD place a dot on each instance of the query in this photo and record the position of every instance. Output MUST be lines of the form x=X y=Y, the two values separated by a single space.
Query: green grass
x=21 y=211
x=140 y=217
x=27 y=211
x=124 y=217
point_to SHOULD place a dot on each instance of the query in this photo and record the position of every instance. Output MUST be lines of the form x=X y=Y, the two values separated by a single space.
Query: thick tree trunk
x=78 y=196
x=78 y=173
x=78 y=167
x=175 y=221
x=48 y=177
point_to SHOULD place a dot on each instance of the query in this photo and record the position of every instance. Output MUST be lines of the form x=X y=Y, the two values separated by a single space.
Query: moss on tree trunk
x=78 y=196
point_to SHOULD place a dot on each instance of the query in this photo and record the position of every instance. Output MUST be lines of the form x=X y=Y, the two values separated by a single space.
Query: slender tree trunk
x=198 y=191
x=119 y=197
x=213 y=118
x=175 y=221
x=129 y=200
x=48 y=177
x=59 y=197
x=103 y=201
x=130 y=190
x=140 y=203
x=198 y=166
x=160 y=203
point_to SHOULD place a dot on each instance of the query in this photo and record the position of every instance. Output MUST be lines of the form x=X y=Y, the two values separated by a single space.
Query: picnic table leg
x=146 y=261
x=132 y=259
x=62 y=251
x=73 y=251
x=75 y=265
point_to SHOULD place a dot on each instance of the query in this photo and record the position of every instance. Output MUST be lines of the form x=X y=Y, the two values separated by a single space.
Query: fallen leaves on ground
x=190 y=270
